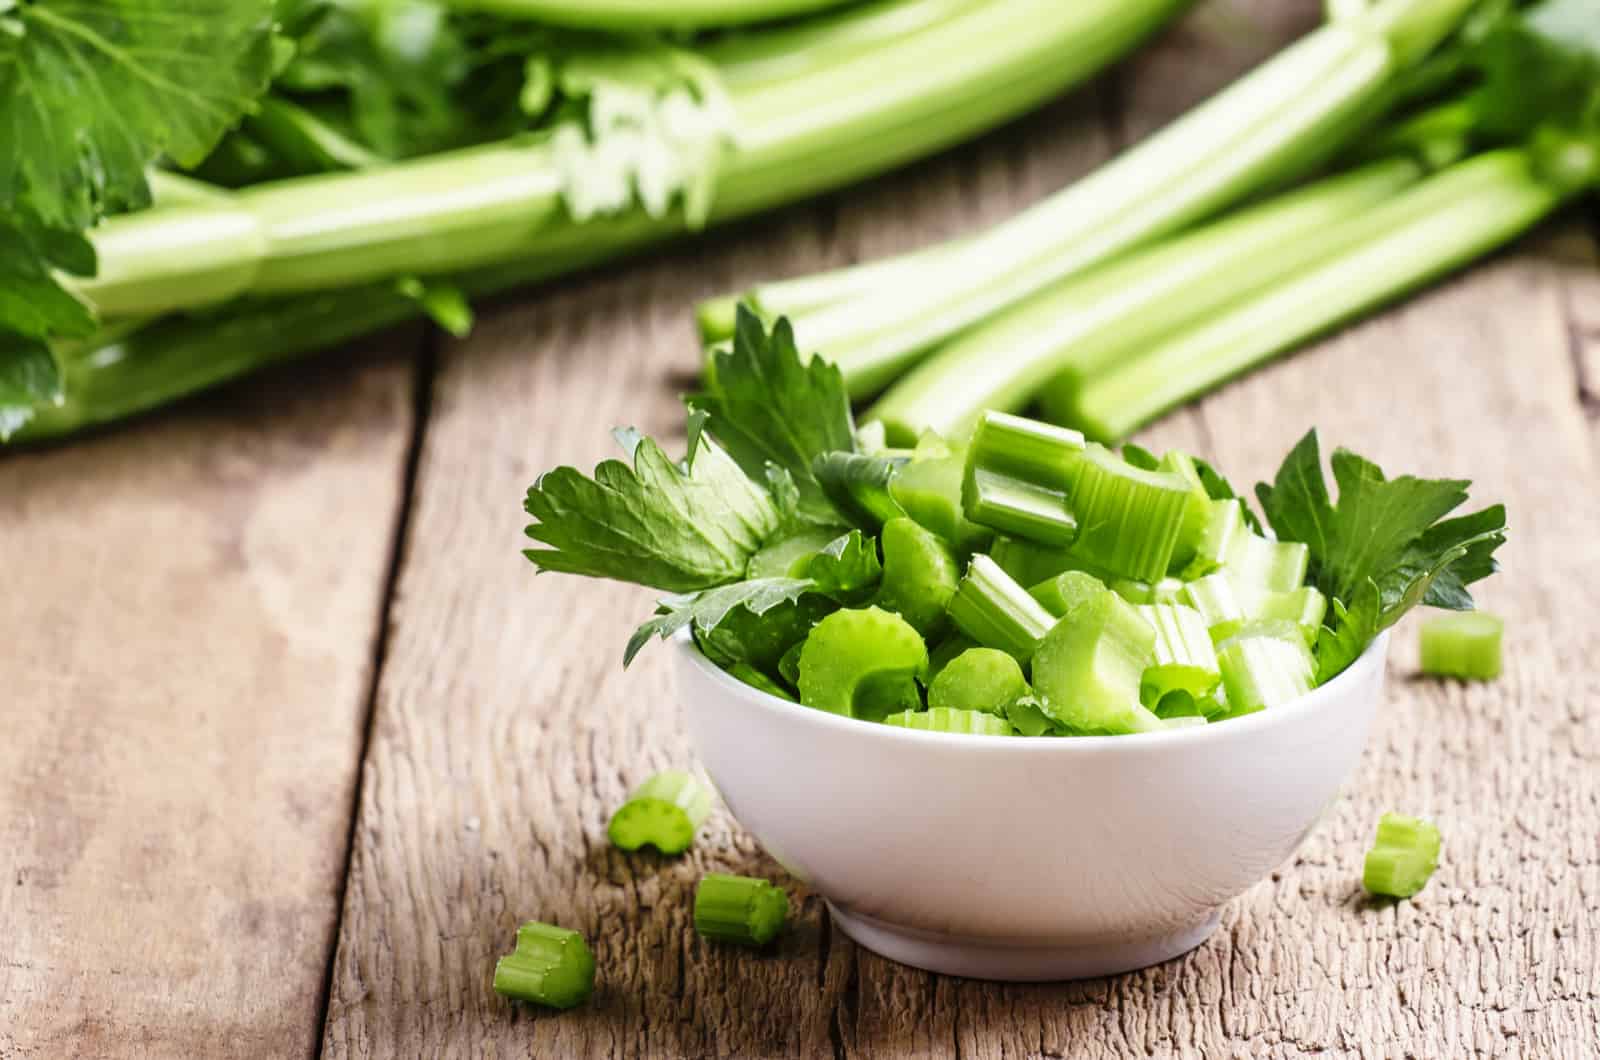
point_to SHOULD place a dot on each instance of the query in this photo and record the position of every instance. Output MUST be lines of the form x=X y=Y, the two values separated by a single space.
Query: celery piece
x=1030 y=450
x=1165 y=591
x=1089 y=666
x=1466 y=644
x=550 y=966
x=789 y=664
x=862 y=663
x=978 y=679
x=788 y=557
x=919 y=575
x=663 y=812
x=1217 y=599
x=760 y=681
x=739 y=909
x=1129 y=519
x=1182 y=721
x=1265 y=664
x=1277 y=566
x=1196 y=511
x=1403 y=856
x=1227 y=606
x=1028 y=717
x=945 y=651
x=945 y=719
x=1305 y=607
x=1224 y=522
x=1013 y=506
x=1030 y=563
x=996 y=612
x=1185 y=660
x=1066 y=590
x=928 y=489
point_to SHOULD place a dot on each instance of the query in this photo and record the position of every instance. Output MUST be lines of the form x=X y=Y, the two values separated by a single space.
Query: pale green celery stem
x=642 y=15
x=759 y=56
x=501 y=203
x=1089 y=321
x=168 y=189
x=1217 y=153
x=1442 y=224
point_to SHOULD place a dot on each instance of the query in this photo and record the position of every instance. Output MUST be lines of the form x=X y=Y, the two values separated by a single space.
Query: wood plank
x=188 y=624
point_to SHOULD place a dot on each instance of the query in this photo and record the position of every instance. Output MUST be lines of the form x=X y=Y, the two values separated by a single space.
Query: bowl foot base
x=978 y=959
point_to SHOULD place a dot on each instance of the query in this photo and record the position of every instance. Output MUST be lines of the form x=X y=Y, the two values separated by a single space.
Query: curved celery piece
x=1462 y=645
x=1403 y=856
x=1030 y=563
x=1028 y=717
x=928 y=489
x=996 y=612
x=789 y=664
x=1129 y=518
x=919 y=575
x=1265 y=664
x=1224 y=522
x=944 y=719
x=1218 y=599
x=1185 y=660
x=1165 y=591
x=945 y=651
x=863 y=664
x=983 y=679
x=758 y=680
x=1089 y=666
x=1066 y=590
x=663 y=812
x=1305 y=607
x=789 y=557
x=1277 y=566
x=1196 y=510
x=550 y=966
x=739 y=909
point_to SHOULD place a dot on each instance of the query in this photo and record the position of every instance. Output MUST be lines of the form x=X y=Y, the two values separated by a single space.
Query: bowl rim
x=1375 y=654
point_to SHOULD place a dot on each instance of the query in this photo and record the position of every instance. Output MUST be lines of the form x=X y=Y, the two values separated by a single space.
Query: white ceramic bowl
x=1027 y=859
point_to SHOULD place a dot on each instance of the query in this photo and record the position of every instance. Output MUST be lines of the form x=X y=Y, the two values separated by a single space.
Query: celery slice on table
x=992 y=609
x=863 y=664
x=1265 y=664
x=739 y=909
x=985 y=679
x=1402 y=858
x=1466 y=644
x=919 y=574
x=1089 y=666
x=1259 y=562
x=550 y=966
x=663 y=812
x=1129 y=519
x=1185 y=660
x=946 y=719
x=1066 y=590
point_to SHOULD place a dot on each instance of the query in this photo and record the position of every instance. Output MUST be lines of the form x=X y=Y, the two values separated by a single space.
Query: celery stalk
x=639 y=15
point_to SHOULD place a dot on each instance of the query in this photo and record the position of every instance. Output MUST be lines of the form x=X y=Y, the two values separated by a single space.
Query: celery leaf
x=706 y=611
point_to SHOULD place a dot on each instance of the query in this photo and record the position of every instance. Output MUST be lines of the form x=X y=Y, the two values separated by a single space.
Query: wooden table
x=291 y=737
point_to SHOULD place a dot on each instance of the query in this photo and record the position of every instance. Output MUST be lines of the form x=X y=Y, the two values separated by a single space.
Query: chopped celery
x=1013 y=506
x=1217 y=599
x=1030 y=563
x=1031 y=450
x=1196 y=511
x=1182 y=721
x=1165 y=591
x=946 y=651
x=862 y=664
x=945 y=719
x=1029 y=718
x=663 y=812
x=928 y=489
x=789 y=664
x=996 y=612
x=1089 y=666
x=1257 y=561
x=758 y=680
x=978 y=679
x=789 y=556
x=1265 y=664
x=1224 y=522
x=550 y=966
x=1129 y=518
x=1466 y=644
x=1066 y=590
x=919 y=575
x=1226 y=606
x=1402 y=858
x=1185 y=660
x=739 y=909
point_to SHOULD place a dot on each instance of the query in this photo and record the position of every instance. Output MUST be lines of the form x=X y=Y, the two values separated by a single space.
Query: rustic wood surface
x=200 y=626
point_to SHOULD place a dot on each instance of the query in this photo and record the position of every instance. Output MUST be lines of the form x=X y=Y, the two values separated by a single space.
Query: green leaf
x=93 y=91
x=857 y=487
x=1140 y=457
x=1540 y=66
x=29 y=377
x=658 y=523
x=1218 y=488
x=767 y=404
x=32 y=303
x=708 y=609
x=847 y=569
x=1347 y=634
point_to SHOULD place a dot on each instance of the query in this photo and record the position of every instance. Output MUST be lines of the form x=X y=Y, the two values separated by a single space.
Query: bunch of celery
x=1019 y=580
x=326 y=167
x=1400 y=140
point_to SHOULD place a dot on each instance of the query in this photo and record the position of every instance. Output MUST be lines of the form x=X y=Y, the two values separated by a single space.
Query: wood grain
x=186 y=639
